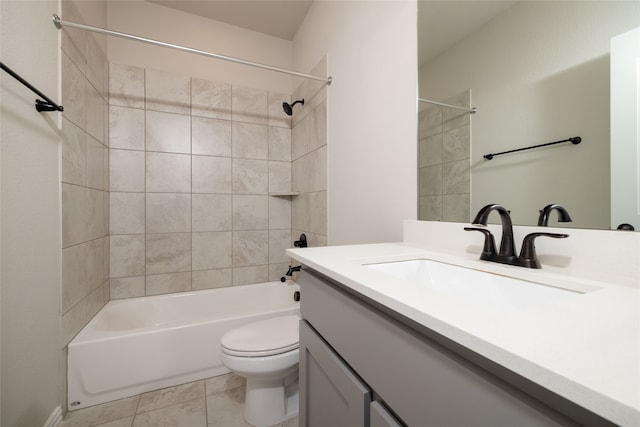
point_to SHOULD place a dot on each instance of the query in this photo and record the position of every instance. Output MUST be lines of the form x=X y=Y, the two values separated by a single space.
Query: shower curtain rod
x=470 y=111
x=59 y=23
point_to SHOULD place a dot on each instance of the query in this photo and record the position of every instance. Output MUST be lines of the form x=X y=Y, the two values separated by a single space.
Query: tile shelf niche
x=284 y=194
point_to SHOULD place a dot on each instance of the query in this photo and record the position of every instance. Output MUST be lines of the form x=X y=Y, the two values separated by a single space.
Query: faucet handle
x=528 y=257
x=301 y=242
x=489 y=242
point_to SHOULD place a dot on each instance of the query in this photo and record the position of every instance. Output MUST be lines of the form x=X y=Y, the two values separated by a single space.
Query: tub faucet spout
x=290 y=272
x=293 y=270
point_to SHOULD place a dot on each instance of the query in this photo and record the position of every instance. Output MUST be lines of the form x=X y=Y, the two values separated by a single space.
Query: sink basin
x=480 y=287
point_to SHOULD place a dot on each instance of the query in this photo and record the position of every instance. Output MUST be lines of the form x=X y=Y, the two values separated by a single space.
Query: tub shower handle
x=301 y=242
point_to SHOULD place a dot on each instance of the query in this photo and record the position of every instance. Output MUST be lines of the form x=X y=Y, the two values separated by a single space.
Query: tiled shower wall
x=192 y=163
x=444 y=152
x=309 y=155
x=84 y=177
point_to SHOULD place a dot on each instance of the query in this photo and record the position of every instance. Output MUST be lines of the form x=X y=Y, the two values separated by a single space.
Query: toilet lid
x=263 y=338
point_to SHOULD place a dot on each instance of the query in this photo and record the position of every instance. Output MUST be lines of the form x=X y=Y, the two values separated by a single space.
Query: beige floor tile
x=170 y=396
x=192 y=413
x=224 y=409
x=293 y=422
x=101 y=414
x=223 y=382
x=123 y=422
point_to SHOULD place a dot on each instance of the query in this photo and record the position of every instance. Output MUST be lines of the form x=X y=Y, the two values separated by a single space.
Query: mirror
x=537 y=72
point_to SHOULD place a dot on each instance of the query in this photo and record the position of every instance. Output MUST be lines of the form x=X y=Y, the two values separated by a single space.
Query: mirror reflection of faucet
x=563 y=215
x=507 y=255
x=626 y=227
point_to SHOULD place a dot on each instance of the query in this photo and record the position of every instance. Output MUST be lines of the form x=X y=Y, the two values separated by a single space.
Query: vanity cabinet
x=363 y=365
x=380 y=417
x=333 y=394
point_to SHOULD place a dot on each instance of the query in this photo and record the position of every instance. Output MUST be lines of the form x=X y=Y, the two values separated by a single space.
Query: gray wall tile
x=168 y=213
x=211 y=137
x=126 y=85
x=126 y=128
x=167 y=92
x=210 y=99
x=168 y=283
x=127 y=287
x=250 y=141
x=126 y=170
x=127 y=213
x=250 y=212
x=127 y=253
x=211 y=174
x=249 y=105
x=279 y=144
x=168 y=253
x=209 y=279
x=168 y=173
x=167 y=132
x=211 y=250
x=250 y=176
x=211 y=212
x=251 y=274
x=250 y=248
x=73 y=154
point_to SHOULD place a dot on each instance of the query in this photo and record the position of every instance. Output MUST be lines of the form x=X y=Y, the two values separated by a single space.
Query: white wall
x=168 y=25
x=538 y=73
x=30 y=216
x=371 y=113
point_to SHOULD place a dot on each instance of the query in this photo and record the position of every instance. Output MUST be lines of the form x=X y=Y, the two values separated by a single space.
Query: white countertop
x=585 y=348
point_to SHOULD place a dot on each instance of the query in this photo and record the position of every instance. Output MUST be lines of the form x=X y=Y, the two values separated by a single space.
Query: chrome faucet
x=507 y=254
x=563 y=215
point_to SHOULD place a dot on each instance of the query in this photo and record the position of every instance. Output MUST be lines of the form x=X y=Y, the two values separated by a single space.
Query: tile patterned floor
x=215 y=402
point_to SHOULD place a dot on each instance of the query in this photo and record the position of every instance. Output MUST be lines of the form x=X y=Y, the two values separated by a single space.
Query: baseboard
x=55 y=419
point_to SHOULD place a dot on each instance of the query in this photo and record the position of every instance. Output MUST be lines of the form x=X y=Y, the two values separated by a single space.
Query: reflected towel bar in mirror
x=575 y=140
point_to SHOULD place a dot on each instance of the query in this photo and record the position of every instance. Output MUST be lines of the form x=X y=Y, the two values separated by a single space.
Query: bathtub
x=141 y=344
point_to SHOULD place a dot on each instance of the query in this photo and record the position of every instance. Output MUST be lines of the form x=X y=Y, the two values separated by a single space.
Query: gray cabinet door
x=330 y=393
x=380 y=417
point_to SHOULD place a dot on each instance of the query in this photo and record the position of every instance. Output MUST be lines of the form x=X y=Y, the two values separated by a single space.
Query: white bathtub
x=141 y=344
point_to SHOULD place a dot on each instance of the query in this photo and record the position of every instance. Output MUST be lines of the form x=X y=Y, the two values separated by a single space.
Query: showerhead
x=288 y=108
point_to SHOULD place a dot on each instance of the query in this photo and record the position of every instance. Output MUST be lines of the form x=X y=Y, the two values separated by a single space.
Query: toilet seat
x=263 y=338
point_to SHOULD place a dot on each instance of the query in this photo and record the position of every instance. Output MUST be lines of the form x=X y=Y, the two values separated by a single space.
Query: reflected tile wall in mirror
x=444 y=149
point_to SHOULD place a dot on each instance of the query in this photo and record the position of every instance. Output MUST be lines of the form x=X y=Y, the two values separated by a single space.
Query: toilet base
x=269 y=402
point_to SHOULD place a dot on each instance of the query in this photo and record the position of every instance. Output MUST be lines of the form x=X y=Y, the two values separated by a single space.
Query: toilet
x=266 y=354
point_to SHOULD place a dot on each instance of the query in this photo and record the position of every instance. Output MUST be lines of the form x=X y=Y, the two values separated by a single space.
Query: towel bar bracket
x=46 y=105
